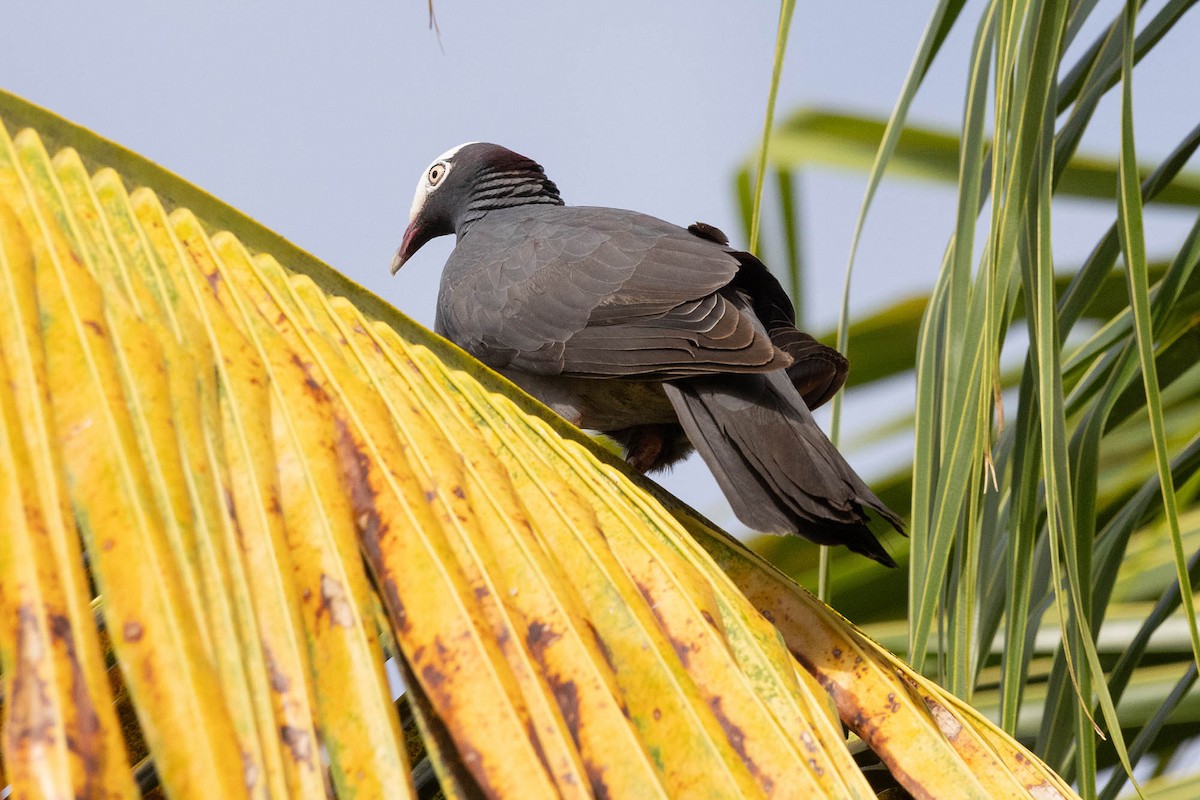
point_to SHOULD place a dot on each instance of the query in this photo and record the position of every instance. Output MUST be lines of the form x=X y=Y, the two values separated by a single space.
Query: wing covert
x=602 y=293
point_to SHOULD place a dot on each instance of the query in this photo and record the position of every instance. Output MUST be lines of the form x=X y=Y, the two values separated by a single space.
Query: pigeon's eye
x=436 y=173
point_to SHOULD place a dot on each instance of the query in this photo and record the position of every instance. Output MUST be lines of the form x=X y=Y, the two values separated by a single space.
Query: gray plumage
x=663 y=337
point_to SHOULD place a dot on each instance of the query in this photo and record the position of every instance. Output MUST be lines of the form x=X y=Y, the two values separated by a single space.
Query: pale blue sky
x=317 y=121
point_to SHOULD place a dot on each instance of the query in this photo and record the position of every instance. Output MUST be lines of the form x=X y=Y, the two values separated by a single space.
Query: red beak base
x=412 y=243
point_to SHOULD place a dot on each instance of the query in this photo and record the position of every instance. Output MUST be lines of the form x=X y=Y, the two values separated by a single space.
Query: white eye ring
x=436 y=173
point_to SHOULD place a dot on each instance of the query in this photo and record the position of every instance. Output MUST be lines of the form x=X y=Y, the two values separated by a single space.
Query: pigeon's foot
x=653 y=447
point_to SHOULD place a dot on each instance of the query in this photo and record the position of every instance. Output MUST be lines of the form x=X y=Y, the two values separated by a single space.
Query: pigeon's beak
x=414 y=237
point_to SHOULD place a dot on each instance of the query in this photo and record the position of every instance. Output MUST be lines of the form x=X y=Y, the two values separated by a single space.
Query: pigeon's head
x=463 y=184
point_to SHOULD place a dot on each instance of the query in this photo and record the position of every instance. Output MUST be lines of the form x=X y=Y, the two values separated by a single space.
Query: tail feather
x=817 y=371
x=775 y=465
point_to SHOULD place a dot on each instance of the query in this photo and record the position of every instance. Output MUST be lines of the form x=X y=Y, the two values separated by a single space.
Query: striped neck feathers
x=507 y=186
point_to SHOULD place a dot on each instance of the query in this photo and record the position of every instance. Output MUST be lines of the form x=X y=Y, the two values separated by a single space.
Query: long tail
x=777 y=468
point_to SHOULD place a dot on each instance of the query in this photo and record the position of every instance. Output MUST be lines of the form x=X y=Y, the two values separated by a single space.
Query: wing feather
x=598 y=292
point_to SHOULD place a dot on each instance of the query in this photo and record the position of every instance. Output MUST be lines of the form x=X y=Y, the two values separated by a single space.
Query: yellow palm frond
x=273 y=481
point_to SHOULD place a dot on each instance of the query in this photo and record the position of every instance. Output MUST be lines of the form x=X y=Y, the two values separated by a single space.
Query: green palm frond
x=1040 y=527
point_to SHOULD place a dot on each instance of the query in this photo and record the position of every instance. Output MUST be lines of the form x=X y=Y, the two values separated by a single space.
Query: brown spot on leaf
x=430 y=495
x=856 y=719
x=299 y=744
x=279 y=680
x=474 y=763
x=399 y=615
x=335 y=603
x=538 y=637
x=682 y=648
x=94 y=327
x=432 y=677
x=356 y=468
x=132 y=631
x=821 y=675
x=459 y=493
x=768 y=616
x=231 y=511
x=314 y=388
x=603 y=647
x=30 y=711
x=537 y=746
x=596 y=778
x=83 y=739
x=737 y=740
x=950 y=726
x=566 y=694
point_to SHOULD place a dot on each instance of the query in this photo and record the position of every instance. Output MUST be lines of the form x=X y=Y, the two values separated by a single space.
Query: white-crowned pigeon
x=664 y=338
